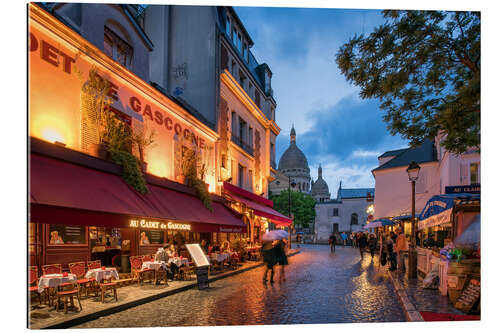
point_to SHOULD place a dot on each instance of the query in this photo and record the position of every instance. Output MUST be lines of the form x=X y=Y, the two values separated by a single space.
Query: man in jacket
x=399 y=248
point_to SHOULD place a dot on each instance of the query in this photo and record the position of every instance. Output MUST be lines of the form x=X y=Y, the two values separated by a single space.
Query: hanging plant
x=131 y=171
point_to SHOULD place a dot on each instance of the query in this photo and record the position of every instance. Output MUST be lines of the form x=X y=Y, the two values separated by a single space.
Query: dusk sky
x=334 y=126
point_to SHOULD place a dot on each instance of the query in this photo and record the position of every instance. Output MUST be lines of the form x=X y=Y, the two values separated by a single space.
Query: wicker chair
x=33 y=283
x=94 y=264
x=78 y=269
x=67 y=295
x=108 y=284
x=136 y=267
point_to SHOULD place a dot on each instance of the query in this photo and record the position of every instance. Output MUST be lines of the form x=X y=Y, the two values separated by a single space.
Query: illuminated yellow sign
x=146 y=224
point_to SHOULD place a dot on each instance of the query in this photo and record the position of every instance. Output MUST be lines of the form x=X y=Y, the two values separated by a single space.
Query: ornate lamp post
x=292 y=184
x=413 y=171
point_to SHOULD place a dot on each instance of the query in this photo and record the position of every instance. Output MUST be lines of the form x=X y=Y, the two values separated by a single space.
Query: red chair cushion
x=83 y=281
x=65 y=284
x=67 y=292
x=34 y=288
x=109 y=284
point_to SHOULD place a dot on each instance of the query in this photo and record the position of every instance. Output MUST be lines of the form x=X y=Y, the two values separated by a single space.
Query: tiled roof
x=421 y=154
x=346 y=193
x=393 y=152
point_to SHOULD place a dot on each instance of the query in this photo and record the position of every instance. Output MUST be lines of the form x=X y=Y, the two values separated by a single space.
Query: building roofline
x=240 y=24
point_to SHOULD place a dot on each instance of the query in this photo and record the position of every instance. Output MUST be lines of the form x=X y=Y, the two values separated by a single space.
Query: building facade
x=347 y=213
x=210 y=67
x=79 y=200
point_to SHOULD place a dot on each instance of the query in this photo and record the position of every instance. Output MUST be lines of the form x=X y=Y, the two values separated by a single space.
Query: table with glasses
x=100 y=274
x=178 y=261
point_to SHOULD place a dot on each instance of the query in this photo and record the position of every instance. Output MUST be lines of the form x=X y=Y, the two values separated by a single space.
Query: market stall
x=443 y=228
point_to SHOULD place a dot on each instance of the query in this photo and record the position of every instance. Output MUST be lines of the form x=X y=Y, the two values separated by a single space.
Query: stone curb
x=105 y=312
x=411 y=312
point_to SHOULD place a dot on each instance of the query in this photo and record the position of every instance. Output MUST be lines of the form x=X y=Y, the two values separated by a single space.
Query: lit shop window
x=474 y=173
x=116 y=48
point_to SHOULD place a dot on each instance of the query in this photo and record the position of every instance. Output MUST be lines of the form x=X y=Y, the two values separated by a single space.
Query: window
x=60 y=234
x=354 y=219
x=234 y=67
x=116 y=48
x=250 y=180
x=234 y=37
x=243 y=79
x=245 y=51
x=239 y=44
x=228 y=26
x=474 y=174
x=335 y=212
x=250 y=89
x=250 y=137
x=243 y=128
x=234 y=123
x=271 y=116
x=257 y=98
x=241 y=171
x=335 y=227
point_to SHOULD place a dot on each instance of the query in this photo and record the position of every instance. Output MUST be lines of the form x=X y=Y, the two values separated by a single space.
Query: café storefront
x=81 y=210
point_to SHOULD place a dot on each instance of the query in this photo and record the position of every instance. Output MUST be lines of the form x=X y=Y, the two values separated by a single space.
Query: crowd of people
x=393 y=243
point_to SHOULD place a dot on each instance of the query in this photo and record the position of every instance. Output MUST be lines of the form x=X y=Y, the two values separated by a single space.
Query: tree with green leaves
x=302 y=207
x=424 y=67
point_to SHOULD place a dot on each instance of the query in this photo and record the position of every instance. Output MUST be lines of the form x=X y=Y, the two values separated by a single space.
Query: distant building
x=293 y=164
x=347 y=213
x=319 y=188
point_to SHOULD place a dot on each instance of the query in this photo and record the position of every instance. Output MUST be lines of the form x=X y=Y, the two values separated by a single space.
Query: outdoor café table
x=179 y=261
x=154 y=265
x=54 y=280
x=220 y=257
x=100 y=274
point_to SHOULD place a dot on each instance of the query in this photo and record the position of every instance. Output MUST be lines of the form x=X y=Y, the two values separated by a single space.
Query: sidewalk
x=128 y=296
x=415 y=299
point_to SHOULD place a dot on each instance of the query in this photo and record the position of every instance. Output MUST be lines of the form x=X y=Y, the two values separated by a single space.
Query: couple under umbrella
x=273 y=252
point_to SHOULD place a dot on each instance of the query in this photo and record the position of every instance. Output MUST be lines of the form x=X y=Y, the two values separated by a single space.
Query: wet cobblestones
x=320 y=288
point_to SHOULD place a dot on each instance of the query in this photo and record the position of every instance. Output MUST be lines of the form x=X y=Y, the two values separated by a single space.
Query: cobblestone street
x=320 y=288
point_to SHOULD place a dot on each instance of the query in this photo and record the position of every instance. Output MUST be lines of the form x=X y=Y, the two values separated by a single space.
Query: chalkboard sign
x=202 y=277
x=469 y=296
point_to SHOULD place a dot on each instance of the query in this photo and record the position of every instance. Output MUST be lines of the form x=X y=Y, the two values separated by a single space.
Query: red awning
x=65 y=193
x=264 y=211
x=246 y=194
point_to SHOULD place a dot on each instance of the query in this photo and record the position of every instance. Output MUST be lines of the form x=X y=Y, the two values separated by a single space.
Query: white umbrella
x=274 y=235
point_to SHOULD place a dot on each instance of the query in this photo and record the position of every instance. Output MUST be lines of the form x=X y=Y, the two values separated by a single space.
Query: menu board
x=60 y=234
x=202 y=277
x=150 y=237
x=200 y=259
x=469 y=296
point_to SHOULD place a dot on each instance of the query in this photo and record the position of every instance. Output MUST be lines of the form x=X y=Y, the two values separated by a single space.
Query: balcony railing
x=239 y=141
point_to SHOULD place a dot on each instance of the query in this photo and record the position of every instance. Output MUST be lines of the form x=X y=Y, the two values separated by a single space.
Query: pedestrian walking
x=268 y=254
x=389 y=245
x=281 y=258
x=362 y=242
x=352 y=239
x=344 y=238
x=372 y=245
x=332 y=241
x=400 y=247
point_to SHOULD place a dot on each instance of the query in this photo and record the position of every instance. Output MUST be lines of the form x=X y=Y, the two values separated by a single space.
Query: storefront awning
x=260 y=208
x=438 y=209
x=379 y=223
x=66 y=193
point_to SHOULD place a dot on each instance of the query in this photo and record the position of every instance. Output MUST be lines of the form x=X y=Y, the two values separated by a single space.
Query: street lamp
x=413 y=171
x=292 y=184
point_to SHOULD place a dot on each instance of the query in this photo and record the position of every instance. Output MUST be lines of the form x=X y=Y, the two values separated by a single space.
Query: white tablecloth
x=156 y=265
x=178 y=261
x=220 y=256
x=53 y=280
x=100 y=274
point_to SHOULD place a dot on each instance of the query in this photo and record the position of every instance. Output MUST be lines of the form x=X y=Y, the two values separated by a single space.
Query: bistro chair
x=108 y=284
x=78 y=269
x=148 y=257
x=136 y=268
x=54 y=269
x=67 y=296
x=94 y=264
x=33 y=283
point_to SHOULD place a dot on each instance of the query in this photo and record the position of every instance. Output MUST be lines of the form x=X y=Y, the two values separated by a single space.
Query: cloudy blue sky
x=334 y=126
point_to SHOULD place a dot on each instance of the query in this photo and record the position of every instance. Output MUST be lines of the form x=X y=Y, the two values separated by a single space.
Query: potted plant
x=143 y=139
x=95 y=103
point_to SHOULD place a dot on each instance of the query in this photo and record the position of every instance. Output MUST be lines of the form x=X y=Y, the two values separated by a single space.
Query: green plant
x=191 y=162
x=240 y=246
x=131 y=173
x=142 y=139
